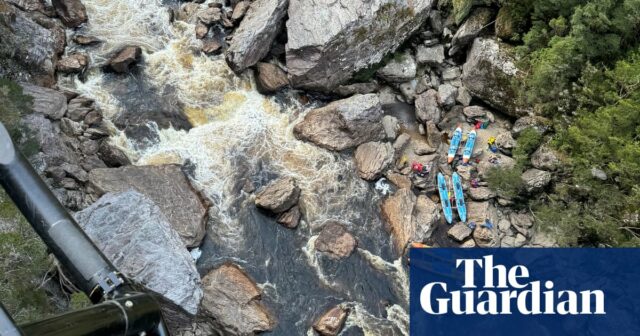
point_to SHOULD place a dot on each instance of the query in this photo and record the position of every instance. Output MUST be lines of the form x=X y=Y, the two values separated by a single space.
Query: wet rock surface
x=167 y=186
x=343 y=38
x=344 y=123
x=232 y=300
x=331 y=322
x=335 y=240
x=136 y=236
x=278 y=196
x=372 y=158
x=258 y=29
x=124 y=59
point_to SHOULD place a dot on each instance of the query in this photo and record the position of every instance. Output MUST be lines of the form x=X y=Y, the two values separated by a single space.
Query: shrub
x=506 y=183
x=23 y=267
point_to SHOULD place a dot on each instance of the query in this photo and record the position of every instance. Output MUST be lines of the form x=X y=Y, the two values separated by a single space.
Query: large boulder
x=51 y=103
x=331 y=322
x=372 y=158
x=136 y=236
x=252 y=40
x=165 y=185
x=71 y=12
x=29 y=49
x=232 y=299
x=488 y=74
x=270 y=78
x=545 y=158
x=279 y=196
x=535 y=180
x=335 y=241
x=400 y=69
x=124 y=59
x=343 y=124
x=477 y=21
x=409 y=218
x=328 y=41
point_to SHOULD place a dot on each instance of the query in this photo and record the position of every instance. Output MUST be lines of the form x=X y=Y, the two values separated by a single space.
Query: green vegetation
x=528 y=141
x=23 y=266
x=505 y=182
x=582 y=64
x=13 y=103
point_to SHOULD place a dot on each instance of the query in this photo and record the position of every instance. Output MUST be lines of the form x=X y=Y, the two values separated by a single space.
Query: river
x=239 y=135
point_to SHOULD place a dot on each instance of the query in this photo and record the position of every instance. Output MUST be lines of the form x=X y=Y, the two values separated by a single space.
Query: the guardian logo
x=504 y=292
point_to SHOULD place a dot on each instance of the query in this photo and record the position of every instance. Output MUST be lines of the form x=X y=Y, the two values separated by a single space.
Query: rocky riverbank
x=356 y=95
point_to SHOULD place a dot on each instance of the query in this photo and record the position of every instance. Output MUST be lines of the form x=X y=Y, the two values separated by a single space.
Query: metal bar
x=134 y=314
x=89 y=268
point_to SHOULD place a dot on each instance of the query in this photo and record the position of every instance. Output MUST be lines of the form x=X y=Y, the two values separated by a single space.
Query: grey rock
x=328 y=42
x=408 y=90
x=136 y=236
x=434 y=136
x=29 y=49
x=484 y=237
x=209 y=16
x=79 y=107
x=505 y=142
x=488 y=73
x=599 y=174
x=451 y=73
x=477 y=21
x=270 y=78
x=71 y=12
x=522 y=223
x=93 y=118
x=233 y=300
x=447 y=95
x=535 y=180
x=401 y=142
x=253 y=38
x=166 y=186
x=75 y=171
x=51 y=103
x=540 y=124
x=409 y=218
x=70 y=127
x=210 y=46
x=391 y=126
x=431 y=56
x=481 y=194
x=400 y=69
x=112 y=155
x=464 y=97
x=357 y=88
x=343 y=124
x=124 y=59
x=86 y=40
x=373 y=158
x=335 y=241
x=436 y=22
x=279 y=195
x=290 y=218
x=29 y=5
x=473 y=113
x=422 y=148
x=459 y=232
x=519 y=241
x=240 y=10
x=545 y=158
x=76 y=62
x=331 y=322
x=427 y=107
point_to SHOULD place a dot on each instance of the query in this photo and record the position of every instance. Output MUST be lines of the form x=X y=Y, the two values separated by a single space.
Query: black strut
x=121 y=311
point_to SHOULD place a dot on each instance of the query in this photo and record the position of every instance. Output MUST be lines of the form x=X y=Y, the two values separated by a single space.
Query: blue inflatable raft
x=459 y=194
x=444 y=198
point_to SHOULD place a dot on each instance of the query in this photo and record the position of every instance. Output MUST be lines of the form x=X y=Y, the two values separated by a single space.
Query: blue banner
x=524 y=292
